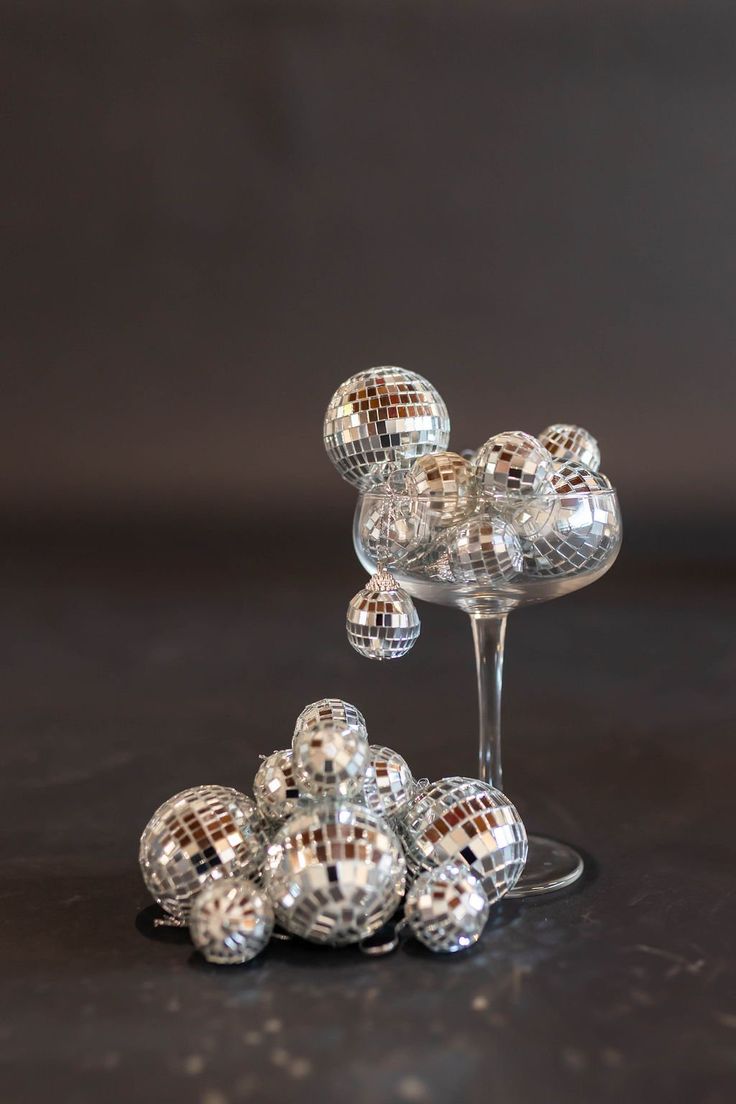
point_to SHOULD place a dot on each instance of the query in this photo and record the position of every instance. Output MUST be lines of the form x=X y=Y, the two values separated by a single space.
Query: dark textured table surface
x=134 y=665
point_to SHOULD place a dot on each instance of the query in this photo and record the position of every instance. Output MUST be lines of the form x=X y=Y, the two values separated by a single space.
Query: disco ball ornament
x=466 y=821
x=275 y=787
x=383 y=416
x=585 y=533
x=197 y=836
x=335 y=873
x=382 y=621
x=231 y=921
x=484 y=549
x=513 y=463
x=389 y=784
x=330 y=710
x=392 y=528
x=446 y=908
x=330 y=759
x=571 y=477
x=444 y=481
x=570 y=442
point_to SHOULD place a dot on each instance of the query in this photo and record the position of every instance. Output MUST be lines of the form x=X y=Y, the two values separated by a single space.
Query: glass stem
x=489 y=632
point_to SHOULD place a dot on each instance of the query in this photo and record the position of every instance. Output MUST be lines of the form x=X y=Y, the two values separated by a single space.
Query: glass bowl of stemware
x=488 y=555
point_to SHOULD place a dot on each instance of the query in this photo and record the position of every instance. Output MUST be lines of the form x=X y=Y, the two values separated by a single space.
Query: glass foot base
x=550 y=866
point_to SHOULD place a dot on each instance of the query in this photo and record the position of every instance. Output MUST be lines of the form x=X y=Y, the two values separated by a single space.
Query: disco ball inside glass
x=483 y=549
x=444 y=482
x=275 y=787
x=382 y=621
x=513 y=463
x=330 y=760
x=389 y=784
x=335 y=873
x=330 y=710
x=466 y=820
x=197 y=836
x=393 y=528
x=581 y=539
x=383 y=416
x=571 y=477
x=231 y=921
x=571 y=442
x=446 y=908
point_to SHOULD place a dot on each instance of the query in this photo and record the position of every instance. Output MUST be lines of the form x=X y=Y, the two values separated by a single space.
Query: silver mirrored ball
x=231 y=921
x=571 y=442
x=513 y=463
x=446 y=908
x=275 y=787
x=382 y=621
x=388 y=786
x=485 y=549
x=330 y=709
x=330 y=759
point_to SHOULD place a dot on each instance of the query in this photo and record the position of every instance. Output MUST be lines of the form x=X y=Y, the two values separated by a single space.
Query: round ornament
x=330 y=759
x=466 y=821
x=446 y=908
x=382 y=621
x=585 y=533
x=389 y=784
x=231 y=921
x=484 y=549
x=571 y=477
x=335 y=873
x=275 y=786
x=197 y=836
x=333 y=710
x=392 y=528
x=571 y=442
x=383 y=416
x=445 y=482
x=513 y=463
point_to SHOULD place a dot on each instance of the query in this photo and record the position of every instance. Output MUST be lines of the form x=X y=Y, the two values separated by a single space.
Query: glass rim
x=487 y=496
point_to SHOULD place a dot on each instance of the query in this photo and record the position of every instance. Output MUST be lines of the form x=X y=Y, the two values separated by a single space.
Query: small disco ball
x=513 y=463
x=197 y=836
x=570 y=442
x=382 y=621
x=335 y=873
x=275 y=787
x=585 y=534
x=445 y=481
x=392 y=528
x=571 y=477
x=466 y=820
x=483 y=549
x=383 y=416
x=446 y=908
x=330 y=760
x=331 y=710
x=231 y=921
x=389 y=784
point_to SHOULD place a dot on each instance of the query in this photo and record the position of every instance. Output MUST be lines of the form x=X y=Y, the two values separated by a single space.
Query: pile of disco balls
x=519 y=508
x=339 y=840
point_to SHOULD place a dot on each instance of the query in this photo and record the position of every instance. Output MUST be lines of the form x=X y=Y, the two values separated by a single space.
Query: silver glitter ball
x=513 y=463
x=445 y=481
x=484 y=549
x=392 y=529
x=335 y=873
x=446 y=908
x=466 y=820
x=382 y=621
x=585 y=534
x=197 y=836
x=571 y=477
x=231 y=921
x=275 y=787
x=382 y=416
x=571 y=442
x=330 y=709
x=330 y=760
x=388 y=786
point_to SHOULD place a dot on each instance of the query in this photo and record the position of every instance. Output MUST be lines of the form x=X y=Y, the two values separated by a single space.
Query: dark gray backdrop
x=214 y=212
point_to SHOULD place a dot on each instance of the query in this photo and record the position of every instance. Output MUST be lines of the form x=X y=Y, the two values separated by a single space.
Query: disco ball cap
x=585 y=534
x=275 y=787
x=392 y=528
x=332 y=710
x=231 y=921
x=382 y=416
x=571 y=477
x=389 y=784
x=330 y=760
x=382 y=621
x=483 y=549
x=197 y=836
x=446 y=908
x=335 y=873
x=570 y=442
x=445 y=480
x=513 y=463
x=466 y=820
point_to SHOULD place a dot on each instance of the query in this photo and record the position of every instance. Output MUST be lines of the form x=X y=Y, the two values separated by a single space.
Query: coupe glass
x=410 y=535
